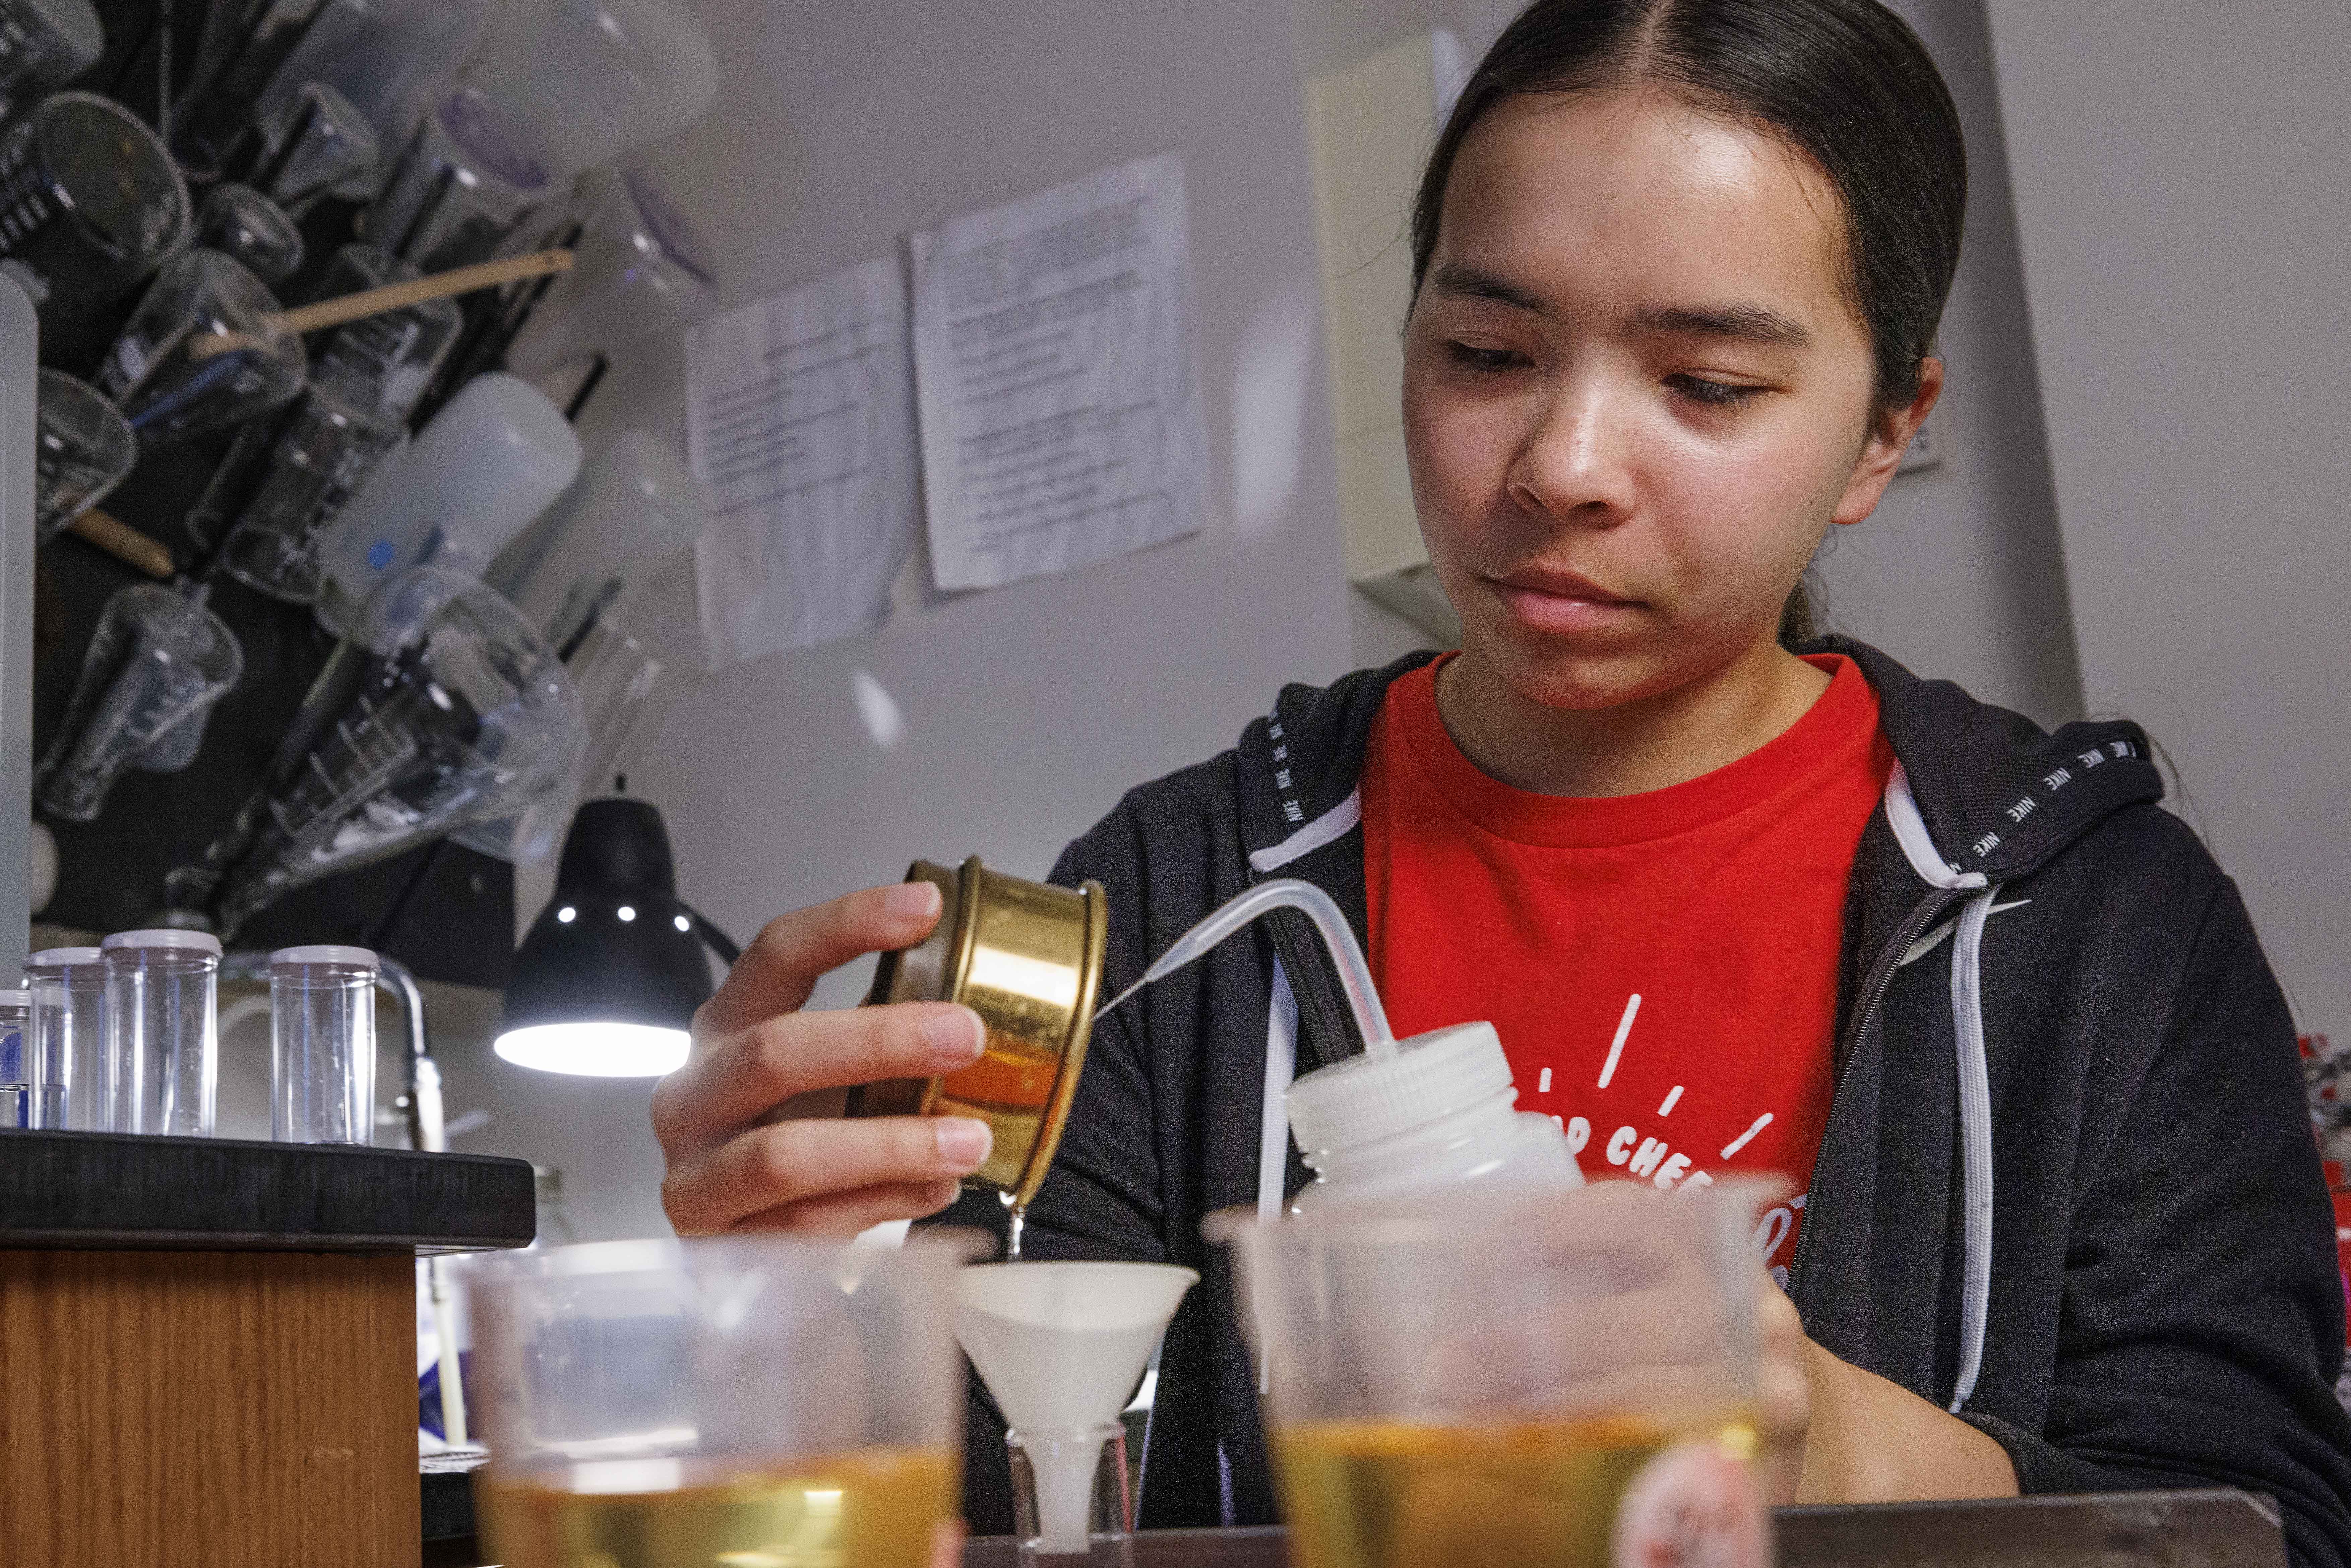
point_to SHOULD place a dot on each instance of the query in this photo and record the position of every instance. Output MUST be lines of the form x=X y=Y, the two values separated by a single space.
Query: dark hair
x=1845 y=81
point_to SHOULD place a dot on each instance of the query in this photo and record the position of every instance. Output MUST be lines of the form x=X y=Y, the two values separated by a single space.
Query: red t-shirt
x=1663 y=967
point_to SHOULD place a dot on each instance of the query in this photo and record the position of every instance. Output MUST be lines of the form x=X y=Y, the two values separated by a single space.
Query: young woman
x=1734 y=905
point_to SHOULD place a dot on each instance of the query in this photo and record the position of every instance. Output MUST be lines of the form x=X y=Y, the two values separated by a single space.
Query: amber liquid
x=870 y=1507
x=1400 y=1495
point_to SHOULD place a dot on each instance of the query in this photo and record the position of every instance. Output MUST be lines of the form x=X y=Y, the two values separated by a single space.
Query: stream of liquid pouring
x=1012 y=1239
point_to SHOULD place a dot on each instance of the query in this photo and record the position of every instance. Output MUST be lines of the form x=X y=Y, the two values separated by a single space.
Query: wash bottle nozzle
x=1285 y=893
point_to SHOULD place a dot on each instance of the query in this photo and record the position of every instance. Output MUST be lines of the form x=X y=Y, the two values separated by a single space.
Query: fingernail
x=956 y=1037
x=963 y=1143
x=909 y=899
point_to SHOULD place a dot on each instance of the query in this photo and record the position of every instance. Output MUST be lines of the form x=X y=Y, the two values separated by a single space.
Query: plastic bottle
x=1441 y=1111
x=1403 y=1116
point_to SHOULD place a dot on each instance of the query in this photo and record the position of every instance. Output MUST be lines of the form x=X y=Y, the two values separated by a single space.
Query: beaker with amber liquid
x=757 y=1399
x=1553 y=1378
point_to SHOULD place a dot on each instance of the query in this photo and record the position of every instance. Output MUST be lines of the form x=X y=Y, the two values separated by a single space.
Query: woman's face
x=1635 y=394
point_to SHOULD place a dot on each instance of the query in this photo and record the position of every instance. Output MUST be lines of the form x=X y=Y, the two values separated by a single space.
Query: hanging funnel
x=1062 y=1346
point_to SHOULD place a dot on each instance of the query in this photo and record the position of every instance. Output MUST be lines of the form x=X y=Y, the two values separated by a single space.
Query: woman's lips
x=1560 y=603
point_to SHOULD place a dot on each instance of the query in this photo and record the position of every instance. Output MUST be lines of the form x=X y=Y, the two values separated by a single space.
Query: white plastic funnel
x=1062 y=1345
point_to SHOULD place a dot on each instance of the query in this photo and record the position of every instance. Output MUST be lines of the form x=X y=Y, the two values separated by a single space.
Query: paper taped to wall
x=801 y=424
x=1054 y=362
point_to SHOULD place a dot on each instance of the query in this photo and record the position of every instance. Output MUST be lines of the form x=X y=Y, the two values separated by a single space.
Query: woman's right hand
x=752 y=1127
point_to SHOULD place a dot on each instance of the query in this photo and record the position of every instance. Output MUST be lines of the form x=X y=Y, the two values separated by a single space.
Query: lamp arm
x=718 y=941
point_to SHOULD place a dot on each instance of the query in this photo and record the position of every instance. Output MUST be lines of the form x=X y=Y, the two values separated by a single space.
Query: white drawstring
x=1975 y=1136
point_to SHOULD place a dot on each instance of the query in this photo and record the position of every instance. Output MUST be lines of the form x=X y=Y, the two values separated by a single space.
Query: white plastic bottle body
x=1489 y=1142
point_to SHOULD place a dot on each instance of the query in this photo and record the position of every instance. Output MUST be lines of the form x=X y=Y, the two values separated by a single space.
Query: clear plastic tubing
x=1330 y=922
x=15 y=1063
x=163 y=1029
x=71 y=1087
x=322 y=1045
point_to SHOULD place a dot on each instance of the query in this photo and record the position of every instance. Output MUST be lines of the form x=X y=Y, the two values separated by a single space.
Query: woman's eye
x=1714 y=394
x=1486 y=361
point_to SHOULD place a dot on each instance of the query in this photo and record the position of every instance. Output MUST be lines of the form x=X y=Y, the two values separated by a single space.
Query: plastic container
x=601 y=78
x=1510 y=1377
x=1439 y=1114
x=737 y=1399
x=71 y=1084
x=638 y=267
x=322 y=1045
x=482 y=468
x=163 y=1029
x=18 y=1097
x=634 y=512
x=467 y=179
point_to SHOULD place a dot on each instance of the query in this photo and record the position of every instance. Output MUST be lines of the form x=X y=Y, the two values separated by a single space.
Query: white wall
x=2184 y=202
x=1960 y=573
x=1029 y=710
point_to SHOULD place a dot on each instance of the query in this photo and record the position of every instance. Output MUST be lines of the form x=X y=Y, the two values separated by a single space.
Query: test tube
x=68 y=1040
x=163 y=1029
x=16 y=1063
x=322 y=1045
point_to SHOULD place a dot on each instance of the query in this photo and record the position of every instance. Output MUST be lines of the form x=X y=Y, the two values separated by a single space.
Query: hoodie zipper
x=1918 y=919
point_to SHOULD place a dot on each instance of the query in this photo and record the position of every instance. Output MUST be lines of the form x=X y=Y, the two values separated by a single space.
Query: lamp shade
x=607 y=981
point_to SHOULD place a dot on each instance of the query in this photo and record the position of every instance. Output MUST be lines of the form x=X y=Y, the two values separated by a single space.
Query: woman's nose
x=1572 y=465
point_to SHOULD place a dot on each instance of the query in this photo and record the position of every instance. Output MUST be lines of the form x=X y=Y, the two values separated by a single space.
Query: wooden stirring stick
x=124 y=543
x=392 y=297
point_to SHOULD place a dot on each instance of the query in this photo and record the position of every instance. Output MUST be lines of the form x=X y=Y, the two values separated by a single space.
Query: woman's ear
x=1889 y=438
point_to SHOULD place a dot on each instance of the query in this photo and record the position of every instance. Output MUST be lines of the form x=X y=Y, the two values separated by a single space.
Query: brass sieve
x=1026 y=957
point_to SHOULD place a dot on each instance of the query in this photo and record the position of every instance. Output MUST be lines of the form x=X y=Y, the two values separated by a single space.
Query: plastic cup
x=71 y=1086
x=1516 y=1380
x=323 y=453
x=251 y=230
x=163 y=1029
x=89 y=204
x=466 y=180
x=206 y=348
x=753 y=1399
x=44 y=43
x=315 y=144
x=19 y=1099
x=638 y=267
x=157 y=659
x=1093 y=1457
x=82 y=449
x=322 y=1045
x=480 y=469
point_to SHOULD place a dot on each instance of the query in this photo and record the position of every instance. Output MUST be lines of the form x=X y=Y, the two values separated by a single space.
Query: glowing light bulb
x=566 y=915
x=627 y=912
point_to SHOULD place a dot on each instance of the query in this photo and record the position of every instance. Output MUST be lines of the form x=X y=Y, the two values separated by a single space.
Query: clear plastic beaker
x=638 y=267
x=157 y=659
x=754 y=1398
x=630 y=665
x=72 y=1086
x=1472 y=1379
x=89 y=204
x=634 y=512
x=478 y=471
x=163 y=1029
x=82 y=449
x=315 y=144
x=322 y=1045
x=251 y=230
x=20 y=1098
x=384 y=57
x=44 y=43
x=601 y=77
x=390 y=358
x=324 y=452
x=469 y=175
x=206 y=347
x=443 y=708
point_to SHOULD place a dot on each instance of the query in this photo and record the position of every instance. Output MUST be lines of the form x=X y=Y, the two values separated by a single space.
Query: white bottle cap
x=355 y=957
x=60 y=957
x=1367 y=1097
x=18 y=998
x=203 y=941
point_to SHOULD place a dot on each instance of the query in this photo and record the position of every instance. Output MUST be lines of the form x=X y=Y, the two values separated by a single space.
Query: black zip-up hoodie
x=2067 y=1187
